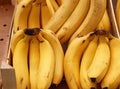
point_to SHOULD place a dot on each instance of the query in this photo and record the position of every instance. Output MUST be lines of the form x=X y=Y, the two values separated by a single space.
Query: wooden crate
x=7 y=75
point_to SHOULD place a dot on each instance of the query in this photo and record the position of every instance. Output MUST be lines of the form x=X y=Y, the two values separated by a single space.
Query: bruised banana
x=45 y=14
x=85 y=63
x=95 y=14
x=112 y=78
x=34 y=16
x=117 y=12
x=59 y=55
x=72 y=61
x=61 y=15
x=34 y=58
x=15 y=39
x=105 y=23
x=21 y=15
x=20 y=63
x=74 y=21
x=46 y=64
x=100 y=62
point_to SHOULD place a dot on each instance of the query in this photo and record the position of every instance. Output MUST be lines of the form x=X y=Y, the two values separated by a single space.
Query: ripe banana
x=112 y=78
x=46 y=65
x=85 y=63
x=15 y=38
x=61 y=15
x=55 y=5
x=45 y=14
x=50 y=7
x=20 y=63
x=95 y=14
x=59 y=55
x=34 y=15
x=21 y=15
x=34 y=58
x=74 y=21
x=60 y=2
x=72 y=61
x=101 y=60
x=105 y=23
x=117 y=12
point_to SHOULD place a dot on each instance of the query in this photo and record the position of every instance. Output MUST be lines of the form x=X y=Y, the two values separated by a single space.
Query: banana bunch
x=93 y=62
x=37 y=57
x=33 y=13
x=117 y=13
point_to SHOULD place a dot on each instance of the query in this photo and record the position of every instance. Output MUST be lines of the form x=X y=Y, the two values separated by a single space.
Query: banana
x=46 y=65
x=95 y=14
x=74 y=21
x=60 y=2
x=85 y=63
x=21 y=15
x=34 y=16
x=15 y=39
x=55 y=5
x=45 y=14
x=34 y=58
x=61 y=15
x=117 y=12
x=105 y=23
x=59 y=55
x=20 y=63
x=112 y=78
x=100 y=62
x=50 y=7
x=72 y=61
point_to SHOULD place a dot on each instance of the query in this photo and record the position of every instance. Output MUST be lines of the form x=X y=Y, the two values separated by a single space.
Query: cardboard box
x=7 y=7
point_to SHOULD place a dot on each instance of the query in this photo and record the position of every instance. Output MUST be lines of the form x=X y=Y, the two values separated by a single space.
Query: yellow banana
x=61 y=15
x=45 y=14
x=21 y=15
x=20 y=63
x=100 y=62
x=112 y=78
x=74 y=21
x=50 y=7
x=34 y=16
x=117 y=12
x=15 y=38
x=85 y=63
x=60 y=2
x=95 y=14
x=55 y=5
x=72 y=61
x=46 y=65
x=59 y=55
x=105 y=23
x=34 y=58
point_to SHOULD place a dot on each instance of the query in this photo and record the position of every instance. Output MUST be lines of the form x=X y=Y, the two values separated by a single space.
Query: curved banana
x=20 y=63
x=74 y=21
x=85 y=63
x=50 y=7
x=61 y=15
x=112 y=78
x=59 y=55
x=45 y=14
x=34 y=58
x=101 y=60
x=105 y=23
x=15 y=38
x=34 y=15
x=55 y=5
x=46 y=65
x=95 y=14
x=117 y=13
x=72 y=61
x=21 y=15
